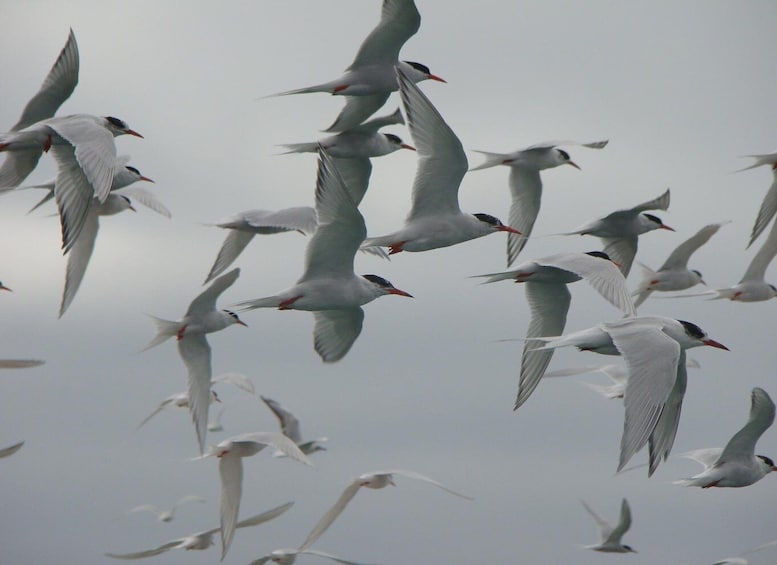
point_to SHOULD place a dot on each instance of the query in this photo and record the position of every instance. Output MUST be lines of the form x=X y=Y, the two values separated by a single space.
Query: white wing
x=355 y=173
x=706 y=457
x=331 y=514
x=330 y=556
x=236 y=379
x=73 y=192
x=526 y=191
x=622 y=250
x=442 y=162
x=195 y=352
x=186 y=499
x=399 y=21
x=742 y=444
x=659 y=203
x=232 y=247
x=146 y=198
x=604 y=527
x=662 y=437
x=335 y=332
x=356 y=110
x=147 y=553
x=276 y=440
x=567 y=142
x=766 y=212
x=624 y=523
x=756 y=271
x=206 y=300
x=79 y=256
x=420 y=477
x=289 y=423
x=159 y=408
x=678 y=259
x=231 y=473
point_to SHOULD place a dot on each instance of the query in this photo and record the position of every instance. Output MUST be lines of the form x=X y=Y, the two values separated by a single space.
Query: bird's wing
x=442 y=162
x=742 y=444
x=341 y=227
x=526 y=191
x=356 y=175
x=660 y=203
x=356 y=110
x=662 y=437
x=188 y=498
x=332 y=557
x=706 y=457
x=17 y=167
x=206 y=300
x=56 y=88
x=651 y=358
x=757 y=269
x=567 y=142
x=233 y=246
x=73 y=193
x=331 y=514
x=604 y=276
x=231 y=473
x=301 y=218
x=623 y=525
x=420 y=477
x=78 y=259
x=399 y=21
x=195 y=353
x=159 y=408
x=264 y=516
x=144 y=508
x=335 y=332
x=145 y=197
x=622 y=250
x=375 y=124
x=766 y=212
x=678 y=259
x=235 y=379
x=148 y=553
x=288 y=421
x=549 y=304
x=604 y=527
x=11 y=449
x=278 y=441
x=261 y=560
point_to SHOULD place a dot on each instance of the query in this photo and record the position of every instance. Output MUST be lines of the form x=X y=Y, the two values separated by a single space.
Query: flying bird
x=546 y=283
x=201 y=318
x=435 y=219
x=769 y=204
x=57 y=87
x=11 y=449
x=375 y=480
x=674 y=273
x=526 y=184
x=369 y=80
x=740 y=559
x=736 y=465
x=230 y=453
x=20 y=363
x=290 y=428
x=620 y=230
x=654 y=350
x=611 y=536
x=329 y=287
x=289 y=557
x=202 y=540
x=165 y=514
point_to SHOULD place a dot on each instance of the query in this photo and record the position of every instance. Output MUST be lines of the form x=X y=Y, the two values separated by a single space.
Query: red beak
x=406 y=146
x=575 y=165
x=665 y=227
x=400 y=292
x=132 y=132
x=713 y=343
x=509 y=230
x=438 y=79
x=146 y=179
x=242 y=323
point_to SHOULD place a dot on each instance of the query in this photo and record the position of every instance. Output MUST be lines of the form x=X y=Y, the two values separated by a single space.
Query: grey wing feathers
x=663 y=435
x=206 y=300
x=331 y=514
x=336 y=331
x=742 y=444
x=356 y=110
x=765 y=212
x=679 y=257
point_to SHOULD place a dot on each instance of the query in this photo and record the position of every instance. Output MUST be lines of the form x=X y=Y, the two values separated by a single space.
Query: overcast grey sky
x=681 y=89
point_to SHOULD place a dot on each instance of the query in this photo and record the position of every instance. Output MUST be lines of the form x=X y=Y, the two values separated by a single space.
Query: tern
x=740 y=559
x=546 y=282
x=202 y=540
x=230 y=453
x=611 y=536
x=674 y=273
x=376 y=480
x=290 y=428
x=654 y=350
x=435 y=219
x=526 y=184
x=769 y=204
x=289 y=557
x=369 y=80
x=329 y=287
x=166 y=514
x=620 y=230
x=201 y=318
x=736 y=465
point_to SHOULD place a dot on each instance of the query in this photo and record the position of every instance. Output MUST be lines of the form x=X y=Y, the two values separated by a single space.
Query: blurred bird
x=769 y=204
x=375 y=480
x=674 y=273
x=166 y=515
x=736 y=465
x=620 y=230
x=230 y=453
x=654 y=350
x=214 y=425
x=11 y=449
x=526 y=184
x=19 y=363
x=435 y=219
x=289 y=557
x=546 y=282
x=370 y=79
x=290 y=428
x=201 y=318
x=740 y=559
x=329 y=287
x=202 y=540
x=611 y=537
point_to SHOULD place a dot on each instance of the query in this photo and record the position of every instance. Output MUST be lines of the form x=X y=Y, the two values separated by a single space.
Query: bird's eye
x=116 y=122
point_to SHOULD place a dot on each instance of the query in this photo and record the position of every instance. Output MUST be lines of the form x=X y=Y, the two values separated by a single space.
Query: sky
x=681 y=90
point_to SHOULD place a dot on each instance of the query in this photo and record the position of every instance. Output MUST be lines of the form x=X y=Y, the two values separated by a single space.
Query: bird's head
x=652 y=222
x=397 y=142
x=565 y=159
x=136 y=174
x=234 y=318
x=767 y=462
x=495 y=224
x=418 y=72
x=697 y=336
x=382 y=286
x=119 y=127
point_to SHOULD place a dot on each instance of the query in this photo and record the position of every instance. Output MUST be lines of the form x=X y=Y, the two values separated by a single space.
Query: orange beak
x=438 y=79
x=509 y=230
x=575 y=165
x=400 y=292
x=665 y=227
x=406 y=146
x=713 y=343
x=146 y=179
x=132 y=132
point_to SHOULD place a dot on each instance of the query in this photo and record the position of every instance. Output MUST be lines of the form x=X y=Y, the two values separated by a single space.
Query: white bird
x=165 y=514
x=526 y=184
x=202 y=540
x=736 y=465
x=370 y=79
x=329 y=287
x=290 y=428
x=11 y=449
x=181 y=399
x=674 y=273
x=376 y=480
x=654 y=350
x=611 y=537
x=620 y=230
x=435 y=219
x=740 y=559
x=289 y=557
x=85 y=152
x=56 y=88
x=769 y=204
x=201 y=318
x=214 y=425
x=230 y=453
x=546 y=282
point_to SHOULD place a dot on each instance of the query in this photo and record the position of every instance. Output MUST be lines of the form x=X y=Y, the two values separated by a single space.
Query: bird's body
x=611 y=536
x=291 y=429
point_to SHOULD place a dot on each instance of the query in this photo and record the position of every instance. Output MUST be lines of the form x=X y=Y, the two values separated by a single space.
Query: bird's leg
x=286 y=304
x=47 y=144
x=712 y=484
x=181 y=331
x=339 y=88
x=396 y=247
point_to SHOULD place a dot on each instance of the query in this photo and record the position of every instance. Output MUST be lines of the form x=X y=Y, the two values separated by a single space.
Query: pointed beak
x=619 y=265
x=438 y=79
x=575 y=165
x=508 y=229
x=665 y=227
x=701 y=281
x=132 y=132
x=406 y=146
x=3 y=287
x=146 y=179
x=242 y=323
x=774 y=468
x=131 y=207
x=713 y=343
x=400 y=292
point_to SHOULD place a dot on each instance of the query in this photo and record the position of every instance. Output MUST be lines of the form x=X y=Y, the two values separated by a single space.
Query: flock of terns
x=92 y=181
